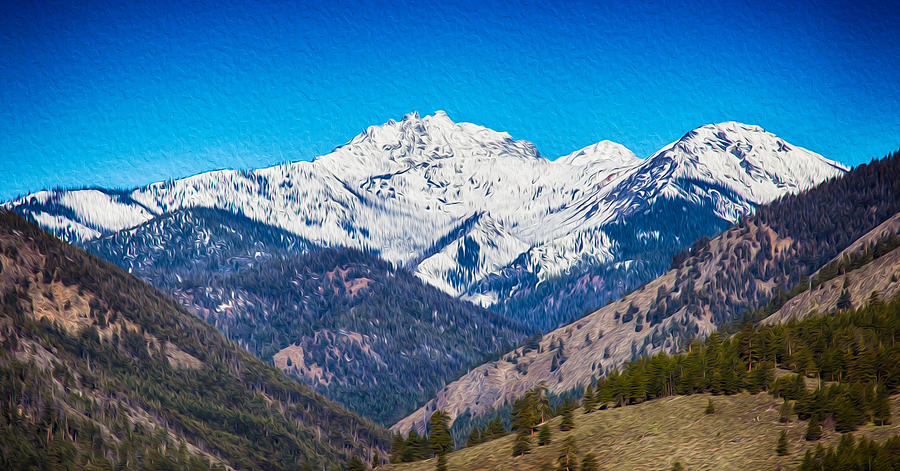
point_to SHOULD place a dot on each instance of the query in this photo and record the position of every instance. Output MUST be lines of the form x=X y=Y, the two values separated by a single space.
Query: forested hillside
x=373 y=338
x=183 y=246
x=347 y=323
x=868 y=269
x=810 y=381
x=98 y=369
x=789 y=240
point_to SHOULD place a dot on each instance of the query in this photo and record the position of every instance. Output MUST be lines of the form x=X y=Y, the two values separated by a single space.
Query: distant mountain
x=98 y=370
x=715 y=283
x=480 y=215
x=347 y=323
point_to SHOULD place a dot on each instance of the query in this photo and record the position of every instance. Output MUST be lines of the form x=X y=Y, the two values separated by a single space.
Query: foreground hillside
x=740 y=435
x=823 y=376
x=717 y=282
x=98 y=369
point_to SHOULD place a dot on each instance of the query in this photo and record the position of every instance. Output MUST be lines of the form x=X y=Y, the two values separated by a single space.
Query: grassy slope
x=651 y=436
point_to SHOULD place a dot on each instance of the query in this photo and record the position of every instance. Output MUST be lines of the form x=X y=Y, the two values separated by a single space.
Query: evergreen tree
x=881 y=408
x=710 y=409
x=809 y=463
x=415 y=448
x=522 y=443
x=567 y=422
x=439 y=439
x=844 y=301
x=356 y=464
x=677 y=466
x=813 y=430
x=568 y=454
x=589 y=463
x=784 y=414
x=441 y=463
x=846 y=416
x=760 y=377
x=494 y=430
x=782 y=447
x=474 y=437
x=544 y=435
x=526 y=411
x=589 y=402
x=398 y=449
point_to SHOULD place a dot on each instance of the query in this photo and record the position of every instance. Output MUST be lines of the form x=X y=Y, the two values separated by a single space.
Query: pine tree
x=589 y=463
x=782 y=447
x=398 y=448
x=589 y=402
x=883 y=460
x=567 y=422
x=784 y=415
x=844 y=301
x=526 y=412
x=677 y=466
x=881 y=408
x=441 y=463
x=474 y=437
x=494 y=430
x=544 y=437
x=846 y=416
x=710 y=409
x=813 y=430
x=439 y=440
x=356 y=464
x=522 y=443
x=809 y=463
x=414 y=450
x=568 y=455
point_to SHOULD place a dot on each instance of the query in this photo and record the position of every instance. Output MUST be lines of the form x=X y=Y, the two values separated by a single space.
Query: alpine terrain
x=477 y=214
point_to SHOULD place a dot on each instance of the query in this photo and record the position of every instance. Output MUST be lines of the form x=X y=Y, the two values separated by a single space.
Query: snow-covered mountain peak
x=416 y=140
x=607 y=154
x=753 y=164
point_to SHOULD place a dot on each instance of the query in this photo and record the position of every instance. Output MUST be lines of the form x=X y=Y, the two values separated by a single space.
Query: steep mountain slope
x=870 y=267
x=351 y=326
x=98 y=368
x=408 y=190
x=715 y=283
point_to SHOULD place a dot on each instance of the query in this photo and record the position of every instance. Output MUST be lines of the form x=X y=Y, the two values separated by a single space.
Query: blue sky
x=113 y=94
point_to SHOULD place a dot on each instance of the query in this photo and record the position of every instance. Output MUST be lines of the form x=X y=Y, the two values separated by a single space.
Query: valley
x=404 y=279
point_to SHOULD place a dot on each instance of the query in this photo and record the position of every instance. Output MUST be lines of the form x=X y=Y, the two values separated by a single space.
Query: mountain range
x=478 y=214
